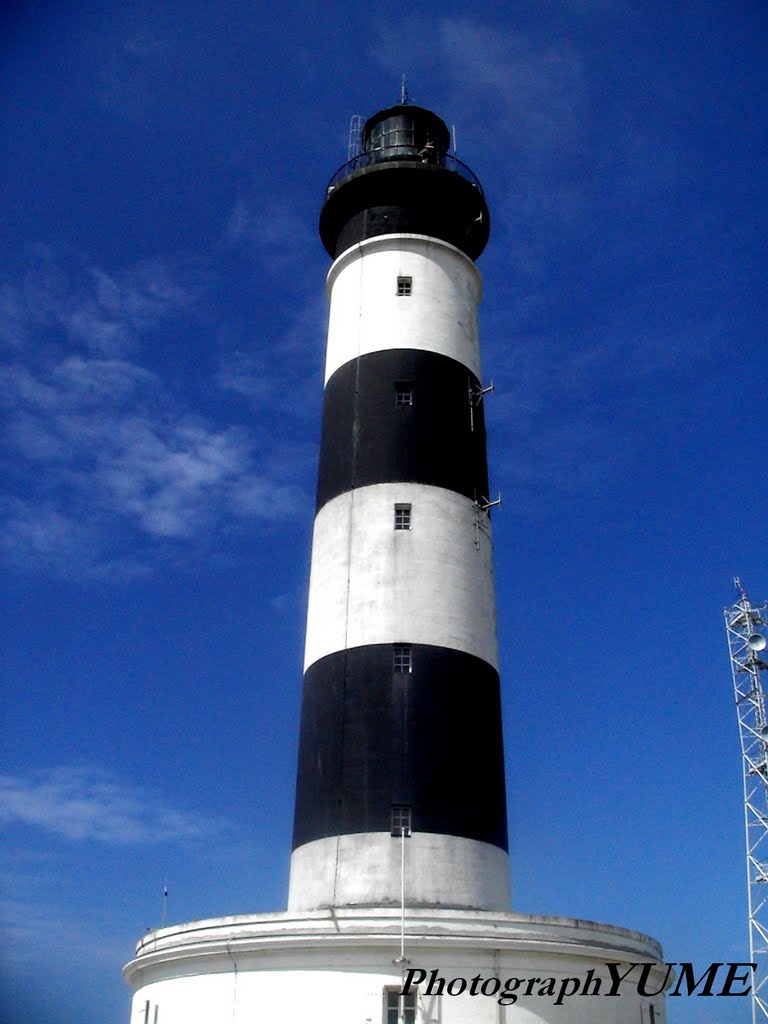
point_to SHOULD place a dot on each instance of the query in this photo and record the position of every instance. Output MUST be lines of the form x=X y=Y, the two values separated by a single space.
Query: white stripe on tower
x=401 y=712
x=373 y=584
x=367 y=315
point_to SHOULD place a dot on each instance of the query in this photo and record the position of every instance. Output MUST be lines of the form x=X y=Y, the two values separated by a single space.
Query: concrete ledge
x=333 y=930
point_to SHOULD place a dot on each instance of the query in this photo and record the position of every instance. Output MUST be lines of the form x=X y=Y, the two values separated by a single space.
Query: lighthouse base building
x=398 y=903
x=343 y=965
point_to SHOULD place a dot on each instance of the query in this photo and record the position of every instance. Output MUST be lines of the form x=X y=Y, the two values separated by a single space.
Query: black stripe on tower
x=418 y=199
x=372 y=737
x=402 y=415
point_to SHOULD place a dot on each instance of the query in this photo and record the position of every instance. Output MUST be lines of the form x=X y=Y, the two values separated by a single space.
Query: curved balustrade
x=449 y=161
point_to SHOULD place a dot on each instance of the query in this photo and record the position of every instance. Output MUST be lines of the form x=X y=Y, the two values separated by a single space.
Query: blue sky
x=162 y=330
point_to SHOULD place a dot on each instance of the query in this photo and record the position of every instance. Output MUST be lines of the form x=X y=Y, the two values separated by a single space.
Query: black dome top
x=402 y=132
x=404 y=182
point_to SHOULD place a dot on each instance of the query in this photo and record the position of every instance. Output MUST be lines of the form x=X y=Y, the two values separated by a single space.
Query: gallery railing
x=449 y=161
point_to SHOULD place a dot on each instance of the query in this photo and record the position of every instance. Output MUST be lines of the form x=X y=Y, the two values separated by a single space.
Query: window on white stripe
x=404 y=285
x=402 y=517
x=392 y=1002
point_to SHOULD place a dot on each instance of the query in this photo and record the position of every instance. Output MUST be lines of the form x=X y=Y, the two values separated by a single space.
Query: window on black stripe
x=401 y=820
x=403 y=392
x=401 y=658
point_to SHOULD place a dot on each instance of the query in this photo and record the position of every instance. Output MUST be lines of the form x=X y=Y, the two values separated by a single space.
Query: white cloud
x=278 y=236
x=25 y=922
x=297 y=392
x=117 y=309
x=85 y=803
x=169 y=477
x=106 y=312
x=129 y=76
x=40 y=536
x=262 y=498
x=529 y=87
x=581 y=309
x=246 y=373
x=107 y=437
x=107 y=463
x=13 y=315
x=538 y=85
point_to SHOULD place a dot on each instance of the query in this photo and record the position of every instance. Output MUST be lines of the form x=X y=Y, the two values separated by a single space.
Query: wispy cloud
x=85 y=803
x=111 y=446
x=105 y=312
x=90 y=941
x=297 y=390
x=103 y=456
x=247 y=374
x=522 y=97
x=274 y=232
x=124 y=305
x=556 y=145
x=537 y=85
x=129 y=74
x=574 y=404
x=598 y=298
x=41 y=537
x=530 y=87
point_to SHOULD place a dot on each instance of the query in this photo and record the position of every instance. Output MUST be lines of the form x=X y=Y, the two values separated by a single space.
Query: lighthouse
x=399 y=903
x=401 y=721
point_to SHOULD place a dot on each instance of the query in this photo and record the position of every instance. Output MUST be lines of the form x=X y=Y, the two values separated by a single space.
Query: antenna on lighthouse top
x=165 y=901
x=403 y=92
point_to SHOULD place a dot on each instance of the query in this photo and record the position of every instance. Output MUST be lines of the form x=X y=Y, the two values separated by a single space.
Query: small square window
x=401 y=658
x=392 y=1000
x=401 y=820
x=403 y=392
x=404 y=285
x=402 y=517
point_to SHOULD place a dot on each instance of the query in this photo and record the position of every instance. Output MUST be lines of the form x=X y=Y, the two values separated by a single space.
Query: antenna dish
x=756 y=642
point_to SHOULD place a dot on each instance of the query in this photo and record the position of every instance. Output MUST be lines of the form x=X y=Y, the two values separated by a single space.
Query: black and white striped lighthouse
x=401 y=723
x=400 y=835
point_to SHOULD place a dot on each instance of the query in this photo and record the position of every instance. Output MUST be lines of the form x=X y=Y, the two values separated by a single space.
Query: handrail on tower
x=401 y=133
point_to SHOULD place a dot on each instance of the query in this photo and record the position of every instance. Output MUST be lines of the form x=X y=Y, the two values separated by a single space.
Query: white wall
x=333 y=969
x=365 y=868
x=366 y=315
x=372 y=584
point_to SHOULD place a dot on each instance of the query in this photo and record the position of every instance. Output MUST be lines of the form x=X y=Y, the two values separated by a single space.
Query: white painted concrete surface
x=332 y=967
x=364 y=868
x=372 y=584
x=366 y=314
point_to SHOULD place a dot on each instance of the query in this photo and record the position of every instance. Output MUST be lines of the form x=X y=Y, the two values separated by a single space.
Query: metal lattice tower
x=745 y=627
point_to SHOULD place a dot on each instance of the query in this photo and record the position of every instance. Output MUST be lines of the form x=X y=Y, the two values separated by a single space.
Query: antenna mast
x=745 y=626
